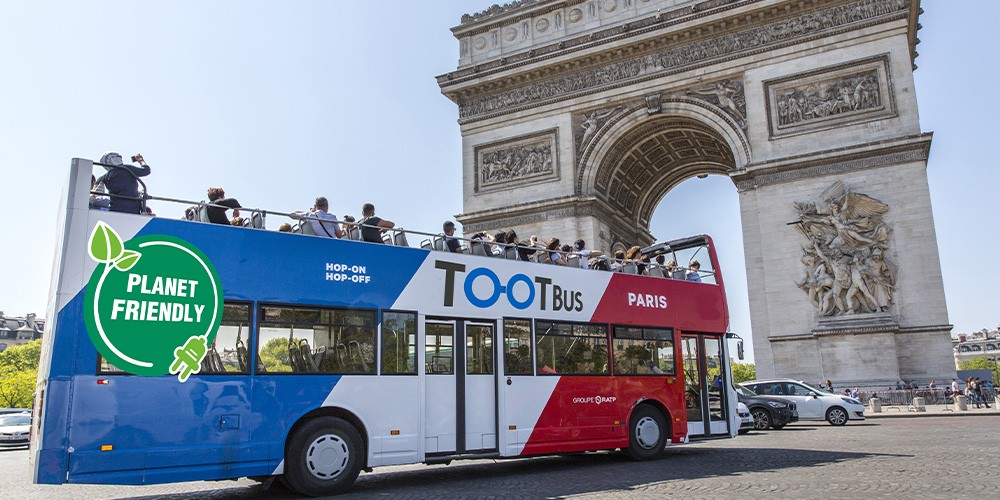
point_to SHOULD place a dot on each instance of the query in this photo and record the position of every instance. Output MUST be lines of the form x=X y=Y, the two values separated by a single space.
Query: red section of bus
x=591 y=413
x=644 y=301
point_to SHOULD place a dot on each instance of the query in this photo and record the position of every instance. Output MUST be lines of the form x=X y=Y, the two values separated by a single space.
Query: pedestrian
x=979 y=392
x=829 y=386
x=970 y=392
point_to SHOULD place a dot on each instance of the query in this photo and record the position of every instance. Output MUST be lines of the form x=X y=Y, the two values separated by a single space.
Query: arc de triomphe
x=578 y=116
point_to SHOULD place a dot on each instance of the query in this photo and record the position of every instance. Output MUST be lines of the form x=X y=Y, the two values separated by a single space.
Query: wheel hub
x=647 y=433
x=327 y=456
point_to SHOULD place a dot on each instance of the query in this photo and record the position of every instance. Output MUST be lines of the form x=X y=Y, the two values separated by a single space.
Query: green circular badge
x=154 y=305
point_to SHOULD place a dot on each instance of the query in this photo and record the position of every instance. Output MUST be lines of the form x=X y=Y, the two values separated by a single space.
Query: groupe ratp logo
x=155 y=304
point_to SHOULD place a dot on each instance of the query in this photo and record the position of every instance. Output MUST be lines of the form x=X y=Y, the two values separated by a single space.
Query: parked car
x=4 y=411
x=810 y=402
x=14 y=429
x=768 y=411
x=746 y=419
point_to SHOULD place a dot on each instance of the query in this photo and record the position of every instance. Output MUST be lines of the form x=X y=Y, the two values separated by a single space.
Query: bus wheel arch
x=325 y=451
x=649 y=430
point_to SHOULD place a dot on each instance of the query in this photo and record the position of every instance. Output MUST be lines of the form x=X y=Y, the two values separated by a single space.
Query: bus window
x=228 y=352
x=399 y=343
x=439 y=348
x=517 y=347
x=643 y=351
x=317 y=340
x=571 y=348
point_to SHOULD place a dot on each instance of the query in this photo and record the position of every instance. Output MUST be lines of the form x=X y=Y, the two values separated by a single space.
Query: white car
x=746 y=418
x=14 y=429
x=811 y=403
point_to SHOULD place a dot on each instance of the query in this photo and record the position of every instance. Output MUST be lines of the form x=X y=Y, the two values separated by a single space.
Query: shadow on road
x=567 y=475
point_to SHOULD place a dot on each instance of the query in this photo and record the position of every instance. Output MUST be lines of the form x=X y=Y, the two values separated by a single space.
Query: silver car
x=14 y=429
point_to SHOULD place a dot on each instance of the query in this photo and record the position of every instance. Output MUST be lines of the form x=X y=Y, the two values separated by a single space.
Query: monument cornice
x=587 y=74
x=834 y=161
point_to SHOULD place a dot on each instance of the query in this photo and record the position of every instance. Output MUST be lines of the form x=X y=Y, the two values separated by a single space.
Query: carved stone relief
x=846 y=267
x=517 y=161
x=726 y=95
x=659 y=62
x=830 y=97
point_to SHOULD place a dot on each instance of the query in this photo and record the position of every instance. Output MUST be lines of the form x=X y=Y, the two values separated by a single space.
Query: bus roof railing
x=397 y=236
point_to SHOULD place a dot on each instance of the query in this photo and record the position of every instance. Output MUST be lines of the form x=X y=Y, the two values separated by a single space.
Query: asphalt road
x=929 y=457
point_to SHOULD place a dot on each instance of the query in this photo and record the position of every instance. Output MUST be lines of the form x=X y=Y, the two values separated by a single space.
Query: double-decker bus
x=323 y=357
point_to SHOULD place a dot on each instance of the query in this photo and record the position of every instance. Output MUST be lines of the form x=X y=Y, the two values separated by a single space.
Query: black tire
x=647 y=433
x=743 y=431
x=761 y=419
x=837 y=416
x=324 y=457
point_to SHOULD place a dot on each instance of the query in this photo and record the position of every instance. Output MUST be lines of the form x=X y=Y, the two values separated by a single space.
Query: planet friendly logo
x=154 y=306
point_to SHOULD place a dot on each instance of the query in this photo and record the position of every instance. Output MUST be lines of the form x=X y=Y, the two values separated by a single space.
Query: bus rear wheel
x=324 y=457
x=647 y=433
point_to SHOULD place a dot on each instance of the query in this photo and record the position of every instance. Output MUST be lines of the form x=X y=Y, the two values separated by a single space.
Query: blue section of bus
x=268 y=266
x=161 y=430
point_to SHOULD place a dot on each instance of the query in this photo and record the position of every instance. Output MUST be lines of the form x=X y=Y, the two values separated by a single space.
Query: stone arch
x=638 y=157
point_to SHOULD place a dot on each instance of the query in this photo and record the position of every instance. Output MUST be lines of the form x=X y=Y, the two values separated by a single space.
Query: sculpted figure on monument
x=846 y=271
x=728 y=96
x=828 y=98
x=593 y=121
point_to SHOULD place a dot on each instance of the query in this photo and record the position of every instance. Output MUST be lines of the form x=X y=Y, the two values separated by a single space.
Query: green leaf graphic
x=128 y=259
x=105 y=244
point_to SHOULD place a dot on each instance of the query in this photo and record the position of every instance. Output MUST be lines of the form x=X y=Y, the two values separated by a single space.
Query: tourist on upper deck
x=285 y=228
x=98 y=202
x=616 y=265
x=317 y=214
x=693 y=274
x=122 y=182
x=217 y=215
x=675 y=272
x=585 y=255
x=450 y=241
x=554 y=256
x=498 y=250
x=634 y=255
x=524 y=250
x=372 y=226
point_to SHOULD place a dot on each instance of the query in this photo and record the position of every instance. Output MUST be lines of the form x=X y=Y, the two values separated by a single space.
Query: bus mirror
x=739 y=349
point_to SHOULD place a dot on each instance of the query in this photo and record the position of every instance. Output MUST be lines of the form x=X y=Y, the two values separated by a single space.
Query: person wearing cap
x=585 y=254
x=122 y=182
x=450 y=241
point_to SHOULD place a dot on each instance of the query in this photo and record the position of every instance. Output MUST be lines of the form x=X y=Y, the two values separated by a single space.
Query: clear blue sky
x=278 y=102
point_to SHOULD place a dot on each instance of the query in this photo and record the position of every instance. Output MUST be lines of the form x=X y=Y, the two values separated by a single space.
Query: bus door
x=461 y=386
x=704 y=383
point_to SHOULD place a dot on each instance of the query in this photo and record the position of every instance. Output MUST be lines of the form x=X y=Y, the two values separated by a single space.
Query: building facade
x=18 y=330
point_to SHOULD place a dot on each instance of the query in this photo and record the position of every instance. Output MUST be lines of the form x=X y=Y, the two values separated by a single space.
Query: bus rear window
x=316 y=340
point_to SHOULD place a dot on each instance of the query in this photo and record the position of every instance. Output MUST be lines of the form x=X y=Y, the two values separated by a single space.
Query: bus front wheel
x=647 y=433
x=324 y=457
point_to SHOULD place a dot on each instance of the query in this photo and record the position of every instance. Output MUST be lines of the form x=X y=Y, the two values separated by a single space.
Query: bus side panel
x=160 y=430
x=525 y=397
x=580 y=415
x=384 y=404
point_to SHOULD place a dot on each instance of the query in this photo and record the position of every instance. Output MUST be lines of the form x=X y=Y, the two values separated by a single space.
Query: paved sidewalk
x=902 y=411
